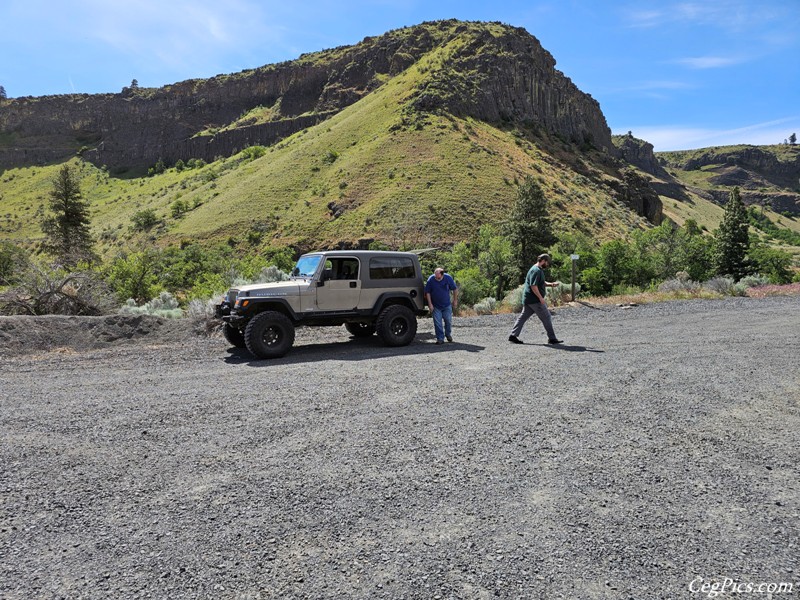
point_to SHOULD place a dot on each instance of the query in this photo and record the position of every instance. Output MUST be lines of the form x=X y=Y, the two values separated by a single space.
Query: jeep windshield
x=306 y=266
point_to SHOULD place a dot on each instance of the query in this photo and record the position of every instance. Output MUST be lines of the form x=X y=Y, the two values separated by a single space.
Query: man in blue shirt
x=533 y=301
x=437 y=293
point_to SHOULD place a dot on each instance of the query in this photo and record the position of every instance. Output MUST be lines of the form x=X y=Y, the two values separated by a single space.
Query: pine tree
x=732 y=239
x=67 y=235
x=3 y=94
x=529 y=229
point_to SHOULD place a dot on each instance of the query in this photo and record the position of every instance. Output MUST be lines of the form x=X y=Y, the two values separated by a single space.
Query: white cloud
x=707 y=62
x=731 y=15
x=667 y=137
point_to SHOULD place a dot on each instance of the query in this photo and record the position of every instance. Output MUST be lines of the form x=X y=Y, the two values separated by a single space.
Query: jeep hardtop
x=366 y=291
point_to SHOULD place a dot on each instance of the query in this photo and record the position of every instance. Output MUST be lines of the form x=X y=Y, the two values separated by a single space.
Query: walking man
x=437 y=293
x=533 y=301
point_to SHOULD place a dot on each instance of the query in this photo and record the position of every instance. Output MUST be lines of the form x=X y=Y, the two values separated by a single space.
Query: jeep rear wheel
x=360 y=329
x=233 y=335
x=269 y=335
x=396 y=325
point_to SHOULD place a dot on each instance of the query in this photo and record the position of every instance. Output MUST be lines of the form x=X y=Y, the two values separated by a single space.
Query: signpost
x=574 y=258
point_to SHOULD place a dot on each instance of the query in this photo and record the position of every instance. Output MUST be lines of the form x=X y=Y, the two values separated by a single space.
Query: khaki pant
x=542 y=312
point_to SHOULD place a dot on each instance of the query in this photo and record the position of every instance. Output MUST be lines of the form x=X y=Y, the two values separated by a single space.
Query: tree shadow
x=354 y=349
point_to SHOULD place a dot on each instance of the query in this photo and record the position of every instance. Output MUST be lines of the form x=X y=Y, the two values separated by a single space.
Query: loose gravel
x=654 y=452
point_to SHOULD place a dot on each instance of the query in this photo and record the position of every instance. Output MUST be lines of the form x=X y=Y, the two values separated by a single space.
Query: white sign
x=574 y=257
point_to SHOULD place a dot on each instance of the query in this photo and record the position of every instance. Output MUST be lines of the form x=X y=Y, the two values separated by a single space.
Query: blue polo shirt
x=440 y=290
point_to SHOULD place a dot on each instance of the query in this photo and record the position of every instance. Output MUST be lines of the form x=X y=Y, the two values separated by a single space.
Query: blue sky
x=681 y=75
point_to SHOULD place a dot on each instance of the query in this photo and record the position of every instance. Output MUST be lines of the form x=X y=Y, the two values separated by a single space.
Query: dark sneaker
x=514 y=339
x=555 y=341
x=439 y=342
x=449 y=338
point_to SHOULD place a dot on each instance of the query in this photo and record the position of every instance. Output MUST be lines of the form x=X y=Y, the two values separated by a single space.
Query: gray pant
x=544 y=316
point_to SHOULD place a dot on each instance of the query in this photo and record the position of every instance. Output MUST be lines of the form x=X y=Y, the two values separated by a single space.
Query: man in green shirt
x=533 y=301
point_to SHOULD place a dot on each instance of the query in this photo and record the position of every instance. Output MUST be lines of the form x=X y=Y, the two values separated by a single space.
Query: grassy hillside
x=376 y=170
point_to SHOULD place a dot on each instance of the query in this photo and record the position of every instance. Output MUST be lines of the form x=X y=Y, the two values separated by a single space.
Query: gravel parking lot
x=654 y=453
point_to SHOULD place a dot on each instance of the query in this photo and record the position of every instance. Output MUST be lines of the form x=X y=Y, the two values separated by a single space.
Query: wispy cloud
x=733 y=15
x=668 y=137
x=708 y=62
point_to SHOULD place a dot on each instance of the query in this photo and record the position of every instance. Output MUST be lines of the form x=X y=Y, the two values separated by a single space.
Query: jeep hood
x=278 y=288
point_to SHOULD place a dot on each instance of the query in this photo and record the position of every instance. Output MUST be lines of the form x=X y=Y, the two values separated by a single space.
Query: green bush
x=144 y=219
x=472 y=285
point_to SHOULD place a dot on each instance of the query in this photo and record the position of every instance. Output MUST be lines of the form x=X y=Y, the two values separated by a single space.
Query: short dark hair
x=544 y=257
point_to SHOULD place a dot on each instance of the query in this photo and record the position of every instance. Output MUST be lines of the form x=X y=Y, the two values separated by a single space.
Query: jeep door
x=339 y=286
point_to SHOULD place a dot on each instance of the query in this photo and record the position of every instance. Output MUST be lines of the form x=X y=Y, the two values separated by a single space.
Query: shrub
x=513 y=299
x=487 y=306
x=745 y=283
x=47 y=291
x=721 y=285
x=144 y=219
x=164 y=305
x=253 y=152
x=680 y=284
x=561 y=293
x=473 y=286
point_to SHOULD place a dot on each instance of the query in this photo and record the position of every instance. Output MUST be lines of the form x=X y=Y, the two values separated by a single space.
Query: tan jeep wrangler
x=366 y=291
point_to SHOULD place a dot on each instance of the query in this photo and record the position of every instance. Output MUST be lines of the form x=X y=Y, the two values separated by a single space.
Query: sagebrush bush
x=724 y=286
x=513 y=299
x=680 y=285
x=487 y=306
x=164 y=305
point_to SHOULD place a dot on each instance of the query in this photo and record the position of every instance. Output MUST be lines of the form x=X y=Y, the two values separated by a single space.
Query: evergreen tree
x=793 y=139
x=3 y=94
x=67 y=235
x=732 y=239
x=529 y=229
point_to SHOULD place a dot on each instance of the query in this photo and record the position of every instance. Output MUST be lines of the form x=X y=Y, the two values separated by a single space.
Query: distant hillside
x=413 y=138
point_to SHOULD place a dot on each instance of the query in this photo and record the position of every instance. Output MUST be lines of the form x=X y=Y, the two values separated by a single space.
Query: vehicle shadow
x=354 y=349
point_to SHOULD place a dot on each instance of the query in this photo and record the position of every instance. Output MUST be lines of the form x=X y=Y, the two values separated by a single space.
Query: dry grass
x=762 y=291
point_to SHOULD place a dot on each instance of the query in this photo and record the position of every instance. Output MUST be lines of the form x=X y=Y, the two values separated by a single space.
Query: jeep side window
x=394 y=267
x=341 y=268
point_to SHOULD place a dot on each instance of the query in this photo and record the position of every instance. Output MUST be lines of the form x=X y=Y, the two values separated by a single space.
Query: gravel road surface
x=656 y=452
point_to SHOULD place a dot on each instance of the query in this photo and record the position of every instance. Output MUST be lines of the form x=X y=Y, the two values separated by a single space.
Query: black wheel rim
x=398 y=326
x=272 y=336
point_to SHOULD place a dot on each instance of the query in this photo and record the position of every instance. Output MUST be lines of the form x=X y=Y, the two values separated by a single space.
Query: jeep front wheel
x=360 y=329
x=233 y=335
x=396 y=325
x=269 y=335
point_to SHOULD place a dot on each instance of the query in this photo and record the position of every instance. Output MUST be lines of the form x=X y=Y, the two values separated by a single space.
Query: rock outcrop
x=640 y=154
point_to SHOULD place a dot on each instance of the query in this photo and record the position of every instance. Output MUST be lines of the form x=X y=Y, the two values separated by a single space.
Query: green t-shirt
x=535 y=277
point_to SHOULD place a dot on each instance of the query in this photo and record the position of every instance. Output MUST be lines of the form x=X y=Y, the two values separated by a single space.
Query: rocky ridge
x=492 y=72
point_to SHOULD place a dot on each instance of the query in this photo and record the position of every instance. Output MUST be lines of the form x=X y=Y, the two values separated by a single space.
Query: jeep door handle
x=353 y=284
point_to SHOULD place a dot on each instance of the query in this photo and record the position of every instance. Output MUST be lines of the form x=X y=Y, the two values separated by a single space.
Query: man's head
x=438 y=273
x=543 y=260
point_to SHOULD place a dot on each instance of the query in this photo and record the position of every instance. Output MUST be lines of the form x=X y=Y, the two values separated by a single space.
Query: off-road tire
x=360 y=330
x=233 y=335
x=396 y=325
x=269 y=334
